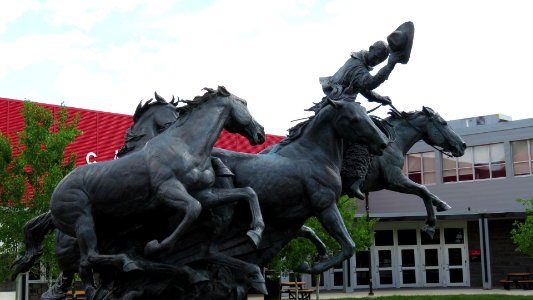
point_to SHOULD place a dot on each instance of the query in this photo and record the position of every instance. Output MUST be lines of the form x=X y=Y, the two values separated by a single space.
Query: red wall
x=103 y=132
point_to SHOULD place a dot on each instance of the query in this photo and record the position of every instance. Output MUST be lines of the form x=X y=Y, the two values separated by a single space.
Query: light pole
x=370 y=287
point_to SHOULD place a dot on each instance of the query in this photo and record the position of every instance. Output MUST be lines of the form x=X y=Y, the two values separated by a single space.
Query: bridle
x=431 y=119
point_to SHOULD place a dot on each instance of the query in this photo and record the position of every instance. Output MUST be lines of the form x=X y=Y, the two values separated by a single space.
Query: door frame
x=416 y=267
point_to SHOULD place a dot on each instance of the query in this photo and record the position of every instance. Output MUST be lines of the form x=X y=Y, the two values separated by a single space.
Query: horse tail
x=34 y=232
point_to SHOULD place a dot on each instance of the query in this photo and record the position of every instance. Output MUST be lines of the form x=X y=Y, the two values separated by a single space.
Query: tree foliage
x=300 y=250
x=522 y=233
x=28 y=178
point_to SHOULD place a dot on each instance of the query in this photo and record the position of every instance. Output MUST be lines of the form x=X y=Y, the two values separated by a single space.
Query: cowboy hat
x=401 y=41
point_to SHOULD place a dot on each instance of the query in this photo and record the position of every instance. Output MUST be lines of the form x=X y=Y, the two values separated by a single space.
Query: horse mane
x=297 y=130
x=142 y=108
x=396 y=115
x=192 y=104
x=133 y=136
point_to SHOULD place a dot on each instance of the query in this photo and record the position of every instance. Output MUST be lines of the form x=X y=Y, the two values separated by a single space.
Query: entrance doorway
x=405 y=256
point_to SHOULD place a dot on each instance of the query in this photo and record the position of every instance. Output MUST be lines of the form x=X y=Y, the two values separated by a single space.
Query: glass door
x=455 y=266
x=336 y=277
x=383 y=258
x=407 y=266
x=384 y=268
x=455 y=257
x=431 y=266
x=362 y=269
x=431 y=259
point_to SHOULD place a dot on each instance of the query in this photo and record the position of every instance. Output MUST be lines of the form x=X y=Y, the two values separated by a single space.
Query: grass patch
x=445 y=297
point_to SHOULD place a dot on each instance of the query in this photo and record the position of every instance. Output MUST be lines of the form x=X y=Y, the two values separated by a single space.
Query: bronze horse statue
x=300 y=178
x=354 y=116
x=182 y=152
x=149 y=119
x=385 y=171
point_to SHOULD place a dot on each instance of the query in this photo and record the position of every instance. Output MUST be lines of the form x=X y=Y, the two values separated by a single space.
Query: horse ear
x=159 y=98
x=223 y=91
x=428 y=111
x=174 y=101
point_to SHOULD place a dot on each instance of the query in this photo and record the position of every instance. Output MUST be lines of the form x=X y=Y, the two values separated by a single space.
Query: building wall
x=475 y=262
x=494 y=198
x=103 y=132
x=504 y=259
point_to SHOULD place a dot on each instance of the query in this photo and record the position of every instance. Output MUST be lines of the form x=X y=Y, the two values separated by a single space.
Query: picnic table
x=296 y=290
x=519 y=279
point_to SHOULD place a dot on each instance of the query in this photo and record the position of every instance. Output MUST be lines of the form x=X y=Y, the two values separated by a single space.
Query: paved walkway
x=7 y=295
x=385 y=292
x=417 y=291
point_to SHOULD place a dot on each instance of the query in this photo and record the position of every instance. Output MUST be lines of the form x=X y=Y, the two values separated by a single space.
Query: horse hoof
x=257 y=281
x=443 y=207
x=429 y=230
x=54 y=293
x=254 y=238
x=152 y=248
x=260 y=287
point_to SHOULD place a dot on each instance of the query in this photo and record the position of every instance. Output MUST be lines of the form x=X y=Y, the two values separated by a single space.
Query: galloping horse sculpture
x=300 y=178
x=323 y=133
x=385 y=172
x=153 y=179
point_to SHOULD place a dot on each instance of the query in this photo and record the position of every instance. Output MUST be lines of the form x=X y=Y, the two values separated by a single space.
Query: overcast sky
x=469 y=58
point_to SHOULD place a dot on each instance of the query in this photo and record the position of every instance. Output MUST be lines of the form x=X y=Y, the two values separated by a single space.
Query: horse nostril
x=464 y=145
x=383 y=146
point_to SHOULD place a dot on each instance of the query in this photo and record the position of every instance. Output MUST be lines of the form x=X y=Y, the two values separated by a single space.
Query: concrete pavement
x=7 y=295
x=417 y=291
x=385 y=292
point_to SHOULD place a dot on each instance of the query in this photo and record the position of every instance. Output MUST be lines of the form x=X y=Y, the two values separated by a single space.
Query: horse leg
x=439 y=204
x=87 y=242
x=215 y=197
x=331 y=220
x=58 y=291
x=253 y=272
x=308 y=233
x=173 y=194
x=406 y=186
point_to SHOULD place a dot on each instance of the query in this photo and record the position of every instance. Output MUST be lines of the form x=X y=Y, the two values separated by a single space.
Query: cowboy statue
x=354 y=78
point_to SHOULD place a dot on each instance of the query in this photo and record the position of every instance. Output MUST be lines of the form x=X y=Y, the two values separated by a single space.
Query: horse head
x=355 y=125
x=149 y=119
x=439 y=134
x=240 y=120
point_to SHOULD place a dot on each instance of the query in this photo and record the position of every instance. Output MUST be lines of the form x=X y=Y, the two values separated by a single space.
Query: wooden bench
x=506 y=283
x=526 y=283
x=302 y=293
x=76 y=295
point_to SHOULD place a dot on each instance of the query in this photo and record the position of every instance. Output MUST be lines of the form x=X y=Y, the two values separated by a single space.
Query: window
x=522 y=157
x=420 y=167
x=478 y=163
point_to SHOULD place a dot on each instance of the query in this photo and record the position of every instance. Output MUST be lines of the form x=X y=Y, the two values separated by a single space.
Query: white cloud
x=60 y=48
x=84 y=14
x=12 y=10
x=272 y=53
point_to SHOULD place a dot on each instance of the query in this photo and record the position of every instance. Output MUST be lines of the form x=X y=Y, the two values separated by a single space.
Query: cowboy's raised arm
x=371 y=82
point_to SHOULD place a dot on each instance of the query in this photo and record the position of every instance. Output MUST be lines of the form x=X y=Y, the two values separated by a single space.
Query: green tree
x=28 y=178
x=522 y=233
